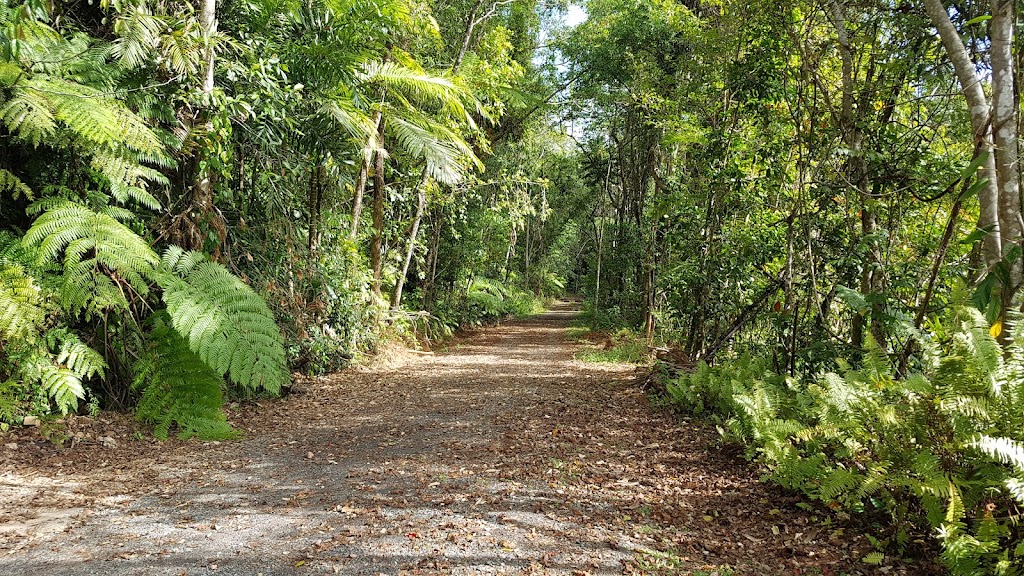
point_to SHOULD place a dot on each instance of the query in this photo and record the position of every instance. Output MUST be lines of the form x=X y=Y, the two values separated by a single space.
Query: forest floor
x=500 y=454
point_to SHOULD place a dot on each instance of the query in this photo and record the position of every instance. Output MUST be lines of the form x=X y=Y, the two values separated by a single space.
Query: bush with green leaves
x=488 y=299
x=90 y=264
x=939 y=450
x=87 y=304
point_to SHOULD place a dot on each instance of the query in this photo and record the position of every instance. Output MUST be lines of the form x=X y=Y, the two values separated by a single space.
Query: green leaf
x=225 y=323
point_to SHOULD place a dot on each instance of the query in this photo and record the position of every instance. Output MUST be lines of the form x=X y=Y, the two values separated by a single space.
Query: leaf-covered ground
x=498 y=455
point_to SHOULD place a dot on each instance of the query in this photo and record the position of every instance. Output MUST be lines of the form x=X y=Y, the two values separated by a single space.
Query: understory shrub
x=74 y=290
x=489 y=299
x=623 y=346
x=939 y=450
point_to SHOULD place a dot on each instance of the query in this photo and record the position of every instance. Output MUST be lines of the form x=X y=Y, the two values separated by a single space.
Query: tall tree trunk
x=364 y=170
x=431 y=268
x=203 y=189
x=421 y=203
x=359 y=190
x=599 y=232
x=1004 y=131
x=314 y=207
x=971 y=85
x=471 y=24
x=191 y=228
x=513 y=236
x=376 y=257
x=858 y=177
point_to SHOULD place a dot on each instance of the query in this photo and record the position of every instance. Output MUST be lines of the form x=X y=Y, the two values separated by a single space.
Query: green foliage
x=58 y=363
x=21 y=305
x=490 y=299
x=103 y=260
x=118 y=151
x=178 y=388
x=622 y=347
x=224 y=322
x=940 y=450
x=58 y=92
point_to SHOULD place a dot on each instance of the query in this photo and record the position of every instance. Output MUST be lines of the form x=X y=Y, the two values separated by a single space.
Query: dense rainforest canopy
x=811 y=206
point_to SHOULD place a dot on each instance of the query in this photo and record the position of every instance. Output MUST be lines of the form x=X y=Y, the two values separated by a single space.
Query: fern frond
x=12 y=184
x=128 y=179
x=59 y=364
x=28 y=116
x=63 y=386
x=840 y=481
x=1001 y=449
x=94 y=117
x=21 y=311
x=179 y=389
x=224 y=322
x=73 y=354
x=92 y=247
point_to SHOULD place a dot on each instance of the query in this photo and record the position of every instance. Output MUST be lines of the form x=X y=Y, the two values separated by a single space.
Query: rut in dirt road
x=500 y=455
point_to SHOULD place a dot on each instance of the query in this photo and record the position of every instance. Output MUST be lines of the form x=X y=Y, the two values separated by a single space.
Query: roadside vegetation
x=809 y=210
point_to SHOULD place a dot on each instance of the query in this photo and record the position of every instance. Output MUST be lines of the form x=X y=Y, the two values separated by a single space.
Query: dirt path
x=503 y=455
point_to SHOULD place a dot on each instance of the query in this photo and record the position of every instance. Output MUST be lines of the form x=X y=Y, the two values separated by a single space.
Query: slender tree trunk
x=970 y=83
x=512 y=238
x=313 y=205
x=360 y=186
x=1004 y=131
x=359 y=190
x=599 y=231
x=421 y=203
x=471 y=24
x=857 y=175
x=203 y=191
x=379 y=190
x=191 y=228
x=432 y=253
x=940 y=257
x=526 y=259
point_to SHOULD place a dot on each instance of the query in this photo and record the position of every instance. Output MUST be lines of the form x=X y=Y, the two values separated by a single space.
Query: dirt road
x=499 y=455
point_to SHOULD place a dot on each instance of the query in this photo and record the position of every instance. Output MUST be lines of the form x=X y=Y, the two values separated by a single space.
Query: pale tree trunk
x=203 y=191
x=599 y=231
x=1004 y=131
x=431 y=267
x=377 y=244
x=471 y=23
x=360 y=186
x=421 y=203
x=364 y=166
x=970 y=83
x=856 y=175
x=191 y=227
x=513 y=236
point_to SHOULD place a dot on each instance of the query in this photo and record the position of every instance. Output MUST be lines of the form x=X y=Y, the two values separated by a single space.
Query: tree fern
x=224 y=322
x=60 y=93
x=28 y=116
x=59 y=363
x=21 y=310
x=11 y=184
x=178 y=389
x=102 y=259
